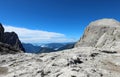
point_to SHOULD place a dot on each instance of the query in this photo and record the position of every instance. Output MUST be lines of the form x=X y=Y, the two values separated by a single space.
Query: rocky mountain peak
x=105 y=22
x=10 y=38
x=1 y=32
x=1 y=27
x=101 y=33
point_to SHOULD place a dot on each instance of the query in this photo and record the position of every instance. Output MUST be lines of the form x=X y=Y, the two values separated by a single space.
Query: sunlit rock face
x=101 y=33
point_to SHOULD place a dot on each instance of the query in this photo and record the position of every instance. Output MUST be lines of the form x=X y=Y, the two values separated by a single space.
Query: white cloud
x=37 y=36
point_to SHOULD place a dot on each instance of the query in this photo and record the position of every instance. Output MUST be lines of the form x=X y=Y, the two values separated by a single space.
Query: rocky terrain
x=8 y=49
x=10 y=38
x=104 y=33
x=77 y=62
x=96 y=54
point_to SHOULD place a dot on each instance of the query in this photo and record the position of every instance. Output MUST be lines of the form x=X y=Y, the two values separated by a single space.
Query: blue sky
x=59 y=20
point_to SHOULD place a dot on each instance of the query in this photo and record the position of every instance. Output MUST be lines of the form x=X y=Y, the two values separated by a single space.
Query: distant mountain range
x=54 y=46
x=46 y=48
x=29 y=48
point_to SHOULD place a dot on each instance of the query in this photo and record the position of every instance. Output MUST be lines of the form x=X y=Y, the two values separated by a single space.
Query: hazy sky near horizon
x=38 y=21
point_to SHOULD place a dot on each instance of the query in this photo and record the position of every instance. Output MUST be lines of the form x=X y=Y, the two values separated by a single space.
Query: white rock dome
x=105 y=22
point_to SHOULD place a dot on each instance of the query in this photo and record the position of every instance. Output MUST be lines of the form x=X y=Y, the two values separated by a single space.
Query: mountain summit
x=103 y=33
x=105 y=22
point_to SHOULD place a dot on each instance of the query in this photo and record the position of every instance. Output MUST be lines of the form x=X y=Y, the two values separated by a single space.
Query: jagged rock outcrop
x=10 y=38
x=1 y=32
x=101 y=33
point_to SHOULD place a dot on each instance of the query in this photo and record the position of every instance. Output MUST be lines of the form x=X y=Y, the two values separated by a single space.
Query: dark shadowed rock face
x=8 y=49
x=10 y=38
x=1 y=32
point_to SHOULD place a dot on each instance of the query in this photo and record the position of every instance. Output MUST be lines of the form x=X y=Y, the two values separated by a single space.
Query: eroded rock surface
x=103 y=33
x=77 y=62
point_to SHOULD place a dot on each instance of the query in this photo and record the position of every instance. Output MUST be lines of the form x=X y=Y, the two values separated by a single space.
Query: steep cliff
x=1 y=32
x=12 y=39
x=9 y=39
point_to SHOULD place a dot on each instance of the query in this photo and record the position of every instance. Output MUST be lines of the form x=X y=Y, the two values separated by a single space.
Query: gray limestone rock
x=76 y=62
x=101 y=33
